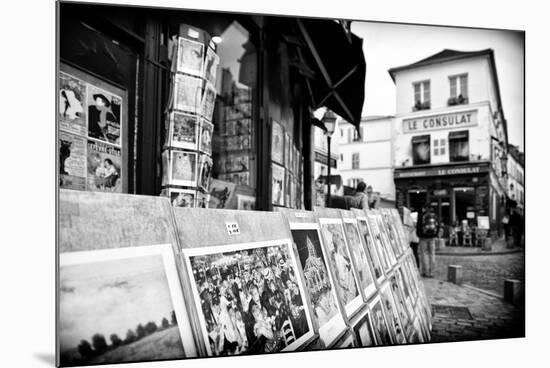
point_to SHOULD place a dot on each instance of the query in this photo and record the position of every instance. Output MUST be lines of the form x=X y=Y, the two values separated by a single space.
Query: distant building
x=516 y=172
x=320 y=166
x=450 y=136
x=367 y=157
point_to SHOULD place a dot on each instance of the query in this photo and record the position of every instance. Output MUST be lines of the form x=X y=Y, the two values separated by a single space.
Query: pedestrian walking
x=427 y=229
x=516 y=226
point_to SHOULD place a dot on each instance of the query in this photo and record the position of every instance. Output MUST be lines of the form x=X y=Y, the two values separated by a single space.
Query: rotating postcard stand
x=187 y=150
x=329 y=317
x=334 y=240
x=245 y=291
x=119 y=293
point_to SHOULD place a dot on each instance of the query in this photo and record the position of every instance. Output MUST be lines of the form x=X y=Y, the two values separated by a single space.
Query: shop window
x=458 y=90
x=421 y=95
x=421 y=149
x=416 y=199
x=459 y=149
x=233 y=147
x=464 y=204
x=440 y=147
x=355 y=160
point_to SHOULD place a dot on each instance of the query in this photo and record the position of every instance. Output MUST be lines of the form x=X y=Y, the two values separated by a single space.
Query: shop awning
x=334 y=180
x=463 y=134
x=335 y=55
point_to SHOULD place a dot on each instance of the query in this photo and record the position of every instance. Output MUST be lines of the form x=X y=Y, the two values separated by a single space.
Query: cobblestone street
x=471 y=315
x=486 y=272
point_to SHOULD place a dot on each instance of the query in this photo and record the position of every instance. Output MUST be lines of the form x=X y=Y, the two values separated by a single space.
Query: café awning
x=335 y=55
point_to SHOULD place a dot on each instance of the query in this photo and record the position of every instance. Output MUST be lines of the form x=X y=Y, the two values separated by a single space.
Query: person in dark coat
x=427 y=229
x=517 y=226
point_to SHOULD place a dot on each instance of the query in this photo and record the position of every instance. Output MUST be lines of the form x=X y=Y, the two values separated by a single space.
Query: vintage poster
x=211 y=66
x=277 y=185
x=319 y=282
x=346 y=279
x=202 y=200
x=104 y=166
x=277 y=143
x=360 y=261
x=208 y=102
x=380 y=327
x=122 y=305
x=378 y=243
x=248 y=298
x=72 y=105
x=182 y=197
x=399 y=301
x=245 y=202
x=190 y=56
x=363 y=331
x=371 y=250
x=221 y=192
x=72 y=161
x=392 y=314
x=183 y=130
x=206 y=130
x=388 y=246
x=104 y=115
x=183 y=168
x=205 y=171
x=287 y=188
x=187 y=93
x=244 y=178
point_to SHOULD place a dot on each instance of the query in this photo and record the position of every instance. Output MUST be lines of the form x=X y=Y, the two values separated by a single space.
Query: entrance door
x=442 y=207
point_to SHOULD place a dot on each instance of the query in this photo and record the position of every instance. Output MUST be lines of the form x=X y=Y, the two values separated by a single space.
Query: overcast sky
x=389 y=45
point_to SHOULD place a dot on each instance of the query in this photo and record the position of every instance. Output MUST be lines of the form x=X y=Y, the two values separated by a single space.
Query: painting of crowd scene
x=251 y=300
x=117 y=311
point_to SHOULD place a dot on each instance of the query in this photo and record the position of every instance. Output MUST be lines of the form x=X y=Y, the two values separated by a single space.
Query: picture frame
x=359 y=257
x=327 y=311
x=277 y=185
x=183 y=168
x=185 y=198
x=372 y=254
x=347 y=286
x=380 y=327
x=208 y=101
x=187 y=93
x=210 y=66
x=205 y=172
x=190 y=57
x=206 y=134
x=277 y=143
x=148 y=276
x=379 y=244
x=363 y=330
x=293 y=333
x=184 y=130
x=394 y=321
x=246 y=202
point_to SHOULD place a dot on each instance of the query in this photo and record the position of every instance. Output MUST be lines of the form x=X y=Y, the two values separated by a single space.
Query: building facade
x=516 y=175
x=450 y=137
x=367 y=155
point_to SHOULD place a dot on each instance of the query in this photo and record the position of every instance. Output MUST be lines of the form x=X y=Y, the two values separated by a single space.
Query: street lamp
x=329 y=120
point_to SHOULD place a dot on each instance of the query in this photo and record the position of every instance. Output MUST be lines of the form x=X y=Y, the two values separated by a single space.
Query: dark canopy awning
x=336 y=57
x=462 y=134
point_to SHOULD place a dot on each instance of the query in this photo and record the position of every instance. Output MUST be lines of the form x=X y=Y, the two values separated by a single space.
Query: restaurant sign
x=442 y=171
x=323 y=159
x=442 y=121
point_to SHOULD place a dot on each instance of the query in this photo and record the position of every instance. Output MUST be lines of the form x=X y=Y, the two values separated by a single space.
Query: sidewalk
x=462 y=313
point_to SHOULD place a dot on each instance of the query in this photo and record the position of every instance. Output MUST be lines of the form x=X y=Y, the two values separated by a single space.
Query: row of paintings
x=244 y=298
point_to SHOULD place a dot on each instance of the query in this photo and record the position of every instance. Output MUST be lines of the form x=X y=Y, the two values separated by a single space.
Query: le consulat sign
x=441 y=121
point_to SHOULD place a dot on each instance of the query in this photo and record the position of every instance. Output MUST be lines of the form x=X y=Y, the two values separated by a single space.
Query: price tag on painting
x=232 y=228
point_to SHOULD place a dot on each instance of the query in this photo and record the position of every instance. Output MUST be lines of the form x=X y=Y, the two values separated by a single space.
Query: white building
x=367 y=157
x=516 y=174
x=450 y=135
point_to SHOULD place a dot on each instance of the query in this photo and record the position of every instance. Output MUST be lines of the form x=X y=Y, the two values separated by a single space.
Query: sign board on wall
x=442 y=171
x=441 y=121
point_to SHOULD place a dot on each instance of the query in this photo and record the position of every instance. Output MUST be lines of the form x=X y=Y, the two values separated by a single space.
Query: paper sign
x=232 y=228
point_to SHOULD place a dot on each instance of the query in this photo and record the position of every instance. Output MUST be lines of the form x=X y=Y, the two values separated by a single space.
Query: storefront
x=252 y=150
x=457 y=192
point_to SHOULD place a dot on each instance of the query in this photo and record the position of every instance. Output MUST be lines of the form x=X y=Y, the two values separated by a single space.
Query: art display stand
x=96 y=226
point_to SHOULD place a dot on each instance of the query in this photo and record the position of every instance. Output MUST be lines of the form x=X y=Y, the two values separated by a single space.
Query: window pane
x=464 y=86
x=453 y=86
x=426 y=92
x=417 y=92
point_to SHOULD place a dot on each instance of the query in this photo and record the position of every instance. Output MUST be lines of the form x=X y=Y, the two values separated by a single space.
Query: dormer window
x=421 y=95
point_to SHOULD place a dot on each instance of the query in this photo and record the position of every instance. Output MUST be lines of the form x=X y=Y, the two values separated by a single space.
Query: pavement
x=498 y=247
x=461 y=313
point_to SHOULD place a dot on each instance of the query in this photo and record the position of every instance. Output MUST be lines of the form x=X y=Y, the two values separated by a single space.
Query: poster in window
x=287 y=151
x=183 y=168
x=104 y=167
x=249 y=298
x=319 y=281
x=221 y=192
x=340 y=259
x=187 y=93
x=104 y=115
x=244 y=178
x=202 y=200
x=206 y=129
x=205 y=171
x=277 y=143
x=72 y=104
x=211 y=66
x=121 y=305
x=183 y=130
x=190 y=56
x=277 y=185
x=208 y=102
x=182 y=197
x=72 y=161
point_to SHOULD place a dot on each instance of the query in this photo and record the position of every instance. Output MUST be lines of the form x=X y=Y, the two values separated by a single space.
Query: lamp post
x=329 y=120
